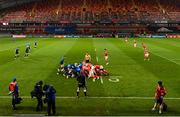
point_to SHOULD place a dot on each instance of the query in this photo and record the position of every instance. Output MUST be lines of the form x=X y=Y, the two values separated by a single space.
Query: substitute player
x=106 y=56
x=87 y=58
x=159 y=95
x=17 y=53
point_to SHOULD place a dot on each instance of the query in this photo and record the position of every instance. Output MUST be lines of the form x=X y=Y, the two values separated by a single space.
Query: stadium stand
x=92 y=10
x=90 y=16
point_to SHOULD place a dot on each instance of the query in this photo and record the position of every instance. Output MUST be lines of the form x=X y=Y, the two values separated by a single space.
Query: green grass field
x=137 y=78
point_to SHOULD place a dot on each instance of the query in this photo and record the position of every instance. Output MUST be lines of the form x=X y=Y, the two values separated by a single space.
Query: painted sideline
x=71 y=97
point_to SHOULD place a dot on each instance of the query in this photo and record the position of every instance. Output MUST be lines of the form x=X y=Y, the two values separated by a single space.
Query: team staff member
x=14 y=91
x=51 y=100
x=87 y=58
x=159 y=95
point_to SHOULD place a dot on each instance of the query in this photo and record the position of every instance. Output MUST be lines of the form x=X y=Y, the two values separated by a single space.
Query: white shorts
x=91 y=72
x=146 y=55
x=106 y=57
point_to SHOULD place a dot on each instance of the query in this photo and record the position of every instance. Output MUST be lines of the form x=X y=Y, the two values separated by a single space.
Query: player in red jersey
x=87 y=58
x=100 y=70
x=126 y=39
x=144 y=45
x=146 y=54
x=135 y=44
x=159 y=95
x=106 y=56
x=86 y=69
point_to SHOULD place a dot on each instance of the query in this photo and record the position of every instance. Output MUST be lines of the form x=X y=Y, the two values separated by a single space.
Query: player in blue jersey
x=35 y=44
x=29 y=47
x=69 y=70
x=17 y=53
x=26 y=52
x=76 y=70
x=61 y=66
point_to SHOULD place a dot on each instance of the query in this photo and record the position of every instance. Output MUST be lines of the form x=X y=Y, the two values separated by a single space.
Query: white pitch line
x=165 y=58
x=110 y=97
x=175 y=59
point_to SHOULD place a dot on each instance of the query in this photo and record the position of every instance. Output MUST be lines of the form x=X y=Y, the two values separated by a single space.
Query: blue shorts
x=159 y=101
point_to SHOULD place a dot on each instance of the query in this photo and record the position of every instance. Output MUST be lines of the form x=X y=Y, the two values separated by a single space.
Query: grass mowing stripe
x=158 y=67
x=165 y=58
x=41 y=63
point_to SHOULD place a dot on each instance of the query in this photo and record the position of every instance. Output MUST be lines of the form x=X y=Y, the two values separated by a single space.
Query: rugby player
x=61 y=66
x=106 y=56
x=146 y=54
x=159 y=95
x=100 y=70
x=27 y=51
x=135 y=44
x=81 y=79
x=126 y=39
x=17 y=53
x=87 y=58
x=28 y=46
x=143 y=45
x=35 y=44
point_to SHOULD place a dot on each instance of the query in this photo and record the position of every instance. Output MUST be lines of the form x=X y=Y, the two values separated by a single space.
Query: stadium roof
x=11 y=3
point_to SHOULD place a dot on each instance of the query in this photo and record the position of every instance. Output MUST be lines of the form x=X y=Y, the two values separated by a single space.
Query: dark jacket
x=51 y=94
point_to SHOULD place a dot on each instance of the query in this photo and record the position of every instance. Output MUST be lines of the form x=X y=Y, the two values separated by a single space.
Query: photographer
x=38 y=93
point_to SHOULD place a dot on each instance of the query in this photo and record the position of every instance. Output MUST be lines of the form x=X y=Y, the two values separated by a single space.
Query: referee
x=81 y=79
